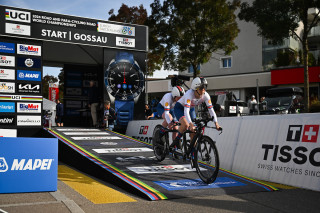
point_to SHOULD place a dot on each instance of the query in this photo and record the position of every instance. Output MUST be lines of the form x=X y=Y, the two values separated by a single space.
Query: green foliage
x=285 y=58
x=187 y=32
x=131 y=15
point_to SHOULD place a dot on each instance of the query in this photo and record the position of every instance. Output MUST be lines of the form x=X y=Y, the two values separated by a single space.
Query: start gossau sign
x=24 y=23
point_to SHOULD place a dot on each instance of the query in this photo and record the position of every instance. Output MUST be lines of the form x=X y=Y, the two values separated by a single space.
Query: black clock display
x=124 y=80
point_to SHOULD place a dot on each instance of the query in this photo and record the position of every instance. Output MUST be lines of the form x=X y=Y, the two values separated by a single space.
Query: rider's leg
x=182 y=128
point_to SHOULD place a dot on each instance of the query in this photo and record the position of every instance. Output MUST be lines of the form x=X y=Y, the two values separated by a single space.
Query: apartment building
x=252 y=65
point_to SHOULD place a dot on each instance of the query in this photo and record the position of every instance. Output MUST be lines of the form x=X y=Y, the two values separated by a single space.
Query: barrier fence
x=278 y=148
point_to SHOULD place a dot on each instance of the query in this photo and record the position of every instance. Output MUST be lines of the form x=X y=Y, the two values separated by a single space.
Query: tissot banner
x=39 y=25
x=32 y=167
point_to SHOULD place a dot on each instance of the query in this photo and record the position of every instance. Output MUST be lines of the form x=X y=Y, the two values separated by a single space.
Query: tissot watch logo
x=17 y=15
x=143 y=130
x=309 y=133
x=125 y=42
x=305 y=135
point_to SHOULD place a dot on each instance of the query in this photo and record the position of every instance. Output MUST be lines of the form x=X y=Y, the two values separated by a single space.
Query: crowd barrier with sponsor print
x=278 y=148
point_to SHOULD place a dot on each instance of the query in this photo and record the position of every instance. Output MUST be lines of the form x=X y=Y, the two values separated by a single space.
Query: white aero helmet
x=199 y=82
x=177 y=91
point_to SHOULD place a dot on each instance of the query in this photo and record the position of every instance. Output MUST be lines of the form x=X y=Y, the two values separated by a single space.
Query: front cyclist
x=165 y=107
x=184 y=108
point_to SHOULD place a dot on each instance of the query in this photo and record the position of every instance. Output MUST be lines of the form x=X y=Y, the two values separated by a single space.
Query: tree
x=131 y=15
x=45 y=83
x=187 y=32
x=280 y=19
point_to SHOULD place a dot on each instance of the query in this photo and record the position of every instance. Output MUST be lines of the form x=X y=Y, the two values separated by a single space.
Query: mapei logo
x=28 y=75
x=143 y=130
x=3 y=165
x=17 y=15
x=26 y=164
x=309 y=133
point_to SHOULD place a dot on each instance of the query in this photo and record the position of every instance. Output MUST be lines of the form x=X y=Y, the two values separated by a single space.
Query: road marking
x=278 y=185
x=94 y=191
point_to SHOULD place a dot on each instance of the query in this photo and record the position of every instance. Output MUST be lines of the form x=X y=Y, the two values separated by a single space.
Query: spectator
x=252 y=103
x=59 y=113
x=263 y=103
x=93 y=103
x=109 y=116
x=148 y=112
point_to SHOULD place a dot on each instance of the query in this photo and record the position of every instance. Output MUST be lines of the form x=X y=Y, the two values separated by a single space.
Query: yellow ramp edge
x=94 y=191
x=278 y=185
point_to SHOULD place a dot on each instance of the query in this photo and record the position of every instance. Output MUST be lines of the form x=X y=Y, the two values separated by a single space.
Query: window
x=225 y=62
x=190 y=69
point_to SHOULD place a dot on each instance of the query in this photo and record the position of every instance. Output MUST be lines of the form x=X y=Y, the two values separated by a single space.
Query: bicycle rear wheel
x=159 y=143
x=206 y=160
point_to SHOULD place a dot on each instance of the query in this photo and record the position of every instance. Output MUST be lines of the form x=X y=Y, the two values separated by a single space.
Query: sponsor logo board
x=93 y=130
x=86 y=133
x=73 y=104
x=6 y=87
x=7 y=47
x=189 y=184
x=143 y=130
x=122 y=150
x=18 y=15
x=30 y=168
x=7 y=61
x=96 y=138
x=28 y=88
x=20 y=98
x=162 y=169
x=116 y=29
x=25 y=75
x=125 y=42
x=7 y=74
x=28 y=107
x=28 y=49
x=18 y=29
x=109 y=143
x=8 y=133
x=26 y=62
x=26 y=120
x=7 y=120
x=7 y=107
x=135 y=158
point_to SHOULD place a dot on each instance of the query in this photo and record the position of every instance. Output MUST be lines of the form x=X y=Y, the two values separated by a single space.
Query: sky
x=96 y=9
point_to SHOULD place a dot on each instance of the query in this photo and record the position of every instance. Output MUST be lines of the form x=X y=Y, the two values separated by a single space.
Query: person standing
x=93 y=103
x=252 y=103
x=59 y=113
x=148 y=112
x=109 y=115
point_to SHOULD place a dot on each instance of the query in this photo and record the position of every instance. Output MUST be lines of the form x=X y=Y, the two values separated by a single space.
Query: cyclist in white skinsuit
x=165 y=108
x=184 y=108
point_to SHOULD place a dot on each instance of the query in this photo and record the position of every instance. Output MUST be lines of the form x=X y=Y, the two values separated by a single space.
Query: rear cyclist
x=165 y=108
x=184 y=108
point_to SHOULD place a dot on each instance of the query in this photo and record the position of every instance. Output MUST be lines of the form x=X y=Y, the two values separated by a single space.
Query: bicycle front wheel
x=206 y=160
x=159 y=143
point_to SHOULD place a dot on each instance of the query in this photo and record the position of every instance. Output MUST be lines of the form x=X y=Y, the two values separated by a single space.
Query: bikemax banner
x=31 y=168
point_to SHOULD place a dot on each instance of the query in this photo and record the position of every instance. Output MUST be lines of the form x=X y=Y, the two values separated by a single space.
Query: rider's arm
x=187 y=110
x=210 y=108
x=166 y=112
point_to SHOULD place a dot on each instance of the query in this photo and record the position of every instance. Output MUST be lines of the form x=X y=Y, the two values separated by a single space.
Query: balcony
x=314 y=32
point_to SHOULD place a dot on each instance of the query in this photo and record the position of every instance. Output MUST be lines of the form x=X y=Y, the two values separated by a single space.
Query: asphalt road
x=66 y=199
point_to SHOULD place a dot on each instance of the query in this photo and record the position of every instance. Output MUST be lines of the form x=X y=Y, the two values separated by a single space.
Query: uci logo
x=3 y=165
x=16 y=15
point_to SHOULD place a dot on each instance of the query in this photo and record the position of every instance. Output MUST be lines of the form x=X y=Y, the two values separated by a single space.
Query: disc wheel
x=206 y=160
x=159 y=143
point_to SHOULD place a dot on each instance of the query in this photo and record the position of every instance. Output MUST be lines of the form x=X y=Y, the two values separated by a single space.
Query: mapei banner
x=31 y=168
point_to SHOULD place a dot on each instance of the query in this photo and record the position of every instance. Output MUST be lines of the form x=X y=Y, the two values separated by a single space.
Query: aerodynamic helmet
x=177 y=91
x=199 y=82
